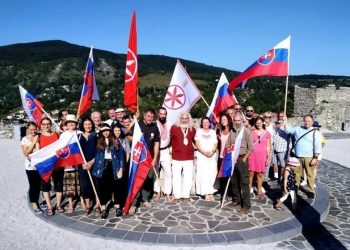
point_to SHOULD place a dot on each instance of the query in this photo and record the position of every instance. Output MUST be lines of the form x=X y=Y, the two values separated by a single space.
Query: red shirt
x=180 y=151
x=47 y=140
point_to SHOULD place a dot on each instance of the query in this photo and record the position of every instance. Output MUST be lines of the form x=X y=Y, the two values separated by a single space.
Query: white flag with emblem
x=181 y=95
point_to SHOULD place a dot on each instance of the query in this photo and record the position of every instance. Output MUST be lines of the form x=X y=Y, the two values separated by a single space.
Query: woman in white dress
x=206 y=143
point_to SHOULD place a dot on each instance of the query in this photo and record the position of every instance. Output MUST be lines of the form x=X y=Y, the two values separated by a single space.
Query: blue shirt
x=88 y=145
x=304 y=147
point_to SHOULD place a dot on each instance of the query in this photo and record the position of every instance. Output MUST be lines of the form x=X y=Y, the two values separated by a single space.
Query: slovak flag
x=140 y=165
x=181 y=95
x=32 y=107
x=131 y=71
x=222 y=99
x=275 y=62
x=65 y=151
x=231 y=156
x=89 y=91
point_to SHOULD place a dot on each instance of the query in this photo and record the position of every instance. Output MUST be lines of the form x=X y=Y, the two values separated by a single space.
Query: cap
x=104 y=127
x=71 y=118
x=119 y=110
x=292 y=161
x=316 y=124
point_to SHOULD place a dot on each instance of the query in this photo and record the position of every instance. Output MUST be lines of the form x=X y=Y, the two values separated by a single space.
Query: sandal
x=59 y=209
x=86 y=211
x=97 y=212
x=49 y=212
x=261 y=196
x=279 y=208
x=70 y=210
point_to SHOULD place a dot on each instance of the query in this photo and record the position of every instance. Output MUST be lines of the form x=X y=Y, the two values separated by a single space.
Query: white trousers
x=182 y=185
x=206 y=174
x=166 y=183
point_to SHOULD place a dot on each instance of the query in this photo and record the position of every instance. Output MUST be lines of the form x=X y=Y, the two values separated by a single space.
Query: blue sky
x=230 y=34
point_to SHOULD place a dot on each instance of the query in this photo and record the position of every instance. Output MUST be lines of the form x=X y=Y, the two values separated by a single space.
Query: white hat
x=119 y=110
x=71 y=118
x=292 y=161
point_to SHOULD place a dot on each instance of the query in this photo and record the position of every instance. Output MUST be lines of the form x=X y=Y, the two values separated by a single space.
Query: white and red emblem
x=30 y=104
x=267 y=58
x=138 y=154
x=175 y=97
x=131 y=66
x=63 y=152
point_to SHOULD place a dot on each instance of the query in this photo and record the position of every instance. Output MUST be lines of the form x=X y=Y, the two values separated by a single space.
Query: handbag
x=291 y=153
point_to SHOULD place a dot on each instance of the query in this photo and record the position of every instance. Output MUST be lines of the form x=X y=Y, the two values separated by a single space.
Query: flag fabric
x=63 y=152
x=275 y=62
x=131 y=71
x=222 y=99
x=181 y=95
x=89 y=91
x=231 y=156
x=32 y=106
x=140 y=166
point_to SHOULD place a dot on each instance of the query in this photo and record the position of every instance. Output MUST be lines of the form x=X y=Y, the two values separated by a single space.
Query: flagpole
x=88 y=170
x=209 y=108
x=285 y=97
x=225 y=194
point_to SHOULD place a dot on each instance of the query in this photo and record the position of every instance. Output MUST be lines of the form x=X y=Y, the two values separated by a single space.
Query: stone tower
x=330 y=106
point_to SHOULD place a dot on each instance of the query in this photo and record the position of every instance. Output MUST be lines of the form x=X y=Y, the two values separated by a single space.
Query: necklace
x=185 y=135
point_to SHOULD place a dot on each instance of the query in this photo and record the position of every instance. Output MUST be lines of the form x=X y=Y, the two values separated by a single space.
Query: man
x=231 y=111
x=249 y=115
x=240 y=176
x=97 y=119
x=164 y=156
x=119 y=113
x=280 y=147
x=126 y=122
x=152 y=136
x=112 y=117
x=307 y=148
x=182 y=135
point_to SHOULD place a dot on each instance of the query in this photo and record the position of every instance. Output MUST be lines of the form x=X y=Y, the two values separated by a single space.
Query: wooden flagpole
x=285 y=97
x=209 y=108
x=225 y=194
x=52 y=120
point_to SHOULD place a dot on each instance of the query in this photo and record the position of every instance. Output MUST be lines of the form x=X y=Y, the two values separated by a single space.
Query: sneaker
x=132 y=210
x=38 y=211
x=104 y=215
x=263 y=190
x=303 y=183
x=251 y=190
x=43 y=206
x=147 y=204
x=314 y=185
x=118 y=212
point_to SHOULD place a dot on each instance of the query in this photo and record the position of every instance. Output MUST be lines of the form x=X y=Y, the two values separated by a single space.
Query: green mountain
x=53 y=70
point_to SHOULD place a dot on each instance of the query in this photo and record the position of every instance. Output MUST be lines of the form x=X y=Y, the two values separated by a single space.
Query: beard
x=184 y=125
x=162 y=120
x=237 y=127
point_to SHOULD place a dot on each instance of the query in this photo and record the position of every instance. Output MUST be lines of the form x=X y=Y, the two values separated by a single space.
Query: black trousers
x=86 y=190
x=57 y=177
x=34 y=185
x=240 y=183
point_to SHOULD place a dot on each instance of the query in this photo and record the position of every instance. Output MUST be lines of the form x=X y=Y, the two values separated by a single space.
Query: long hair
x=229 y=120
x=262 y=120
x=101 y=141
x=190 y=121
x=82 y=124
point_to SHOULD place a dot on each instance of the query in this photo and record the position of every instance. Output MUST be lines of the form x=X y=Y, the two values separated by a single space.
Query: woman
x=47 y=137
x=222 y=133
x=71 y=183
x=28 y=146
x=206 y=143
x=259 y=159
x=88 y=142
x=108 y=169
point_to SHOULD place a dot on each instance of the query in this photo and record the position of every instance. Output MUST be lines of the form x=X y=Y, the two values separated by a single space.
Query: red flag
x=88 y=86
x=131 y=71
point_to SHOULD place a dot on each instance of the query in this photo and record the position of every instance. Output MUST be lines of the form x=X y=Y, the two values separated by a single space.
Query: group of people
x=178 y=151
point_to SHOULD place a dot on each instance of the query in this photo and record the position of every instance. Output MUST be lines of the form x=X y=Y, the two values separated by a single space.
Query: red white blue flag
x=63 y=152
x=32 y=106
x=275 y=62
x=231 y=156
x=89 y=91
x=140 y=166
x=222 y=99
x=131 y=70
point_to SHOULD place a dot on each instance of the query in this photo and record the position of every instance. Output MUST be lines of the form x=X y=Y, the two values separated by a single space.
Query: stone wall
x=330 y=106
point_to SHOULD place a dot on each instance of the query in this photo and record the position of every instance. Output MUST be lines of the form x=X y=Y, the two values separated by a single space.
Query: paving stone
x=183 y=239
x=213 y=224
x=196 y=218
x=233 y=226
x=206 y=204
x=103 y=231
x=200 y=239
x=166 y=239
x=233 y=237
x=161 y=215
x=149 y=238
x=217 y=238
x=179 y=230
x=157 y=229
x=141 y=228
x=205 y=213
x=198 y=225
x=133 y=236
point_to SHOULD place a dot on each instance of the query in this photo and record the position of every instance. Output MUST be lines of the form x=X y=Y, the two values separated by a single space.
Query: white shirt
x=27 y=164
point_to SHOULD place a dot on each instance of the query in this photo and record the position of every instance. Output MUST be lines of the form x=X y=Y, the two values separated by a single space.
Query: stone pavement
x=201 y=222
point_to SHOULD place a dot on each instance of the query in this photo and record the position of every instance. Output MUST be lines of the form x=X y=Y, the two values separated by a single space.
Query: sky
x=227 y=33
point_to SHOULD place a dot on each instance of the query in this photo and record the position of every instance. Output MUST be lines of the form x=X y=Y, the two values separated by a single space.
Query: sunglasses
x=238 y=109
x=267 y=116
x=249 y=110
